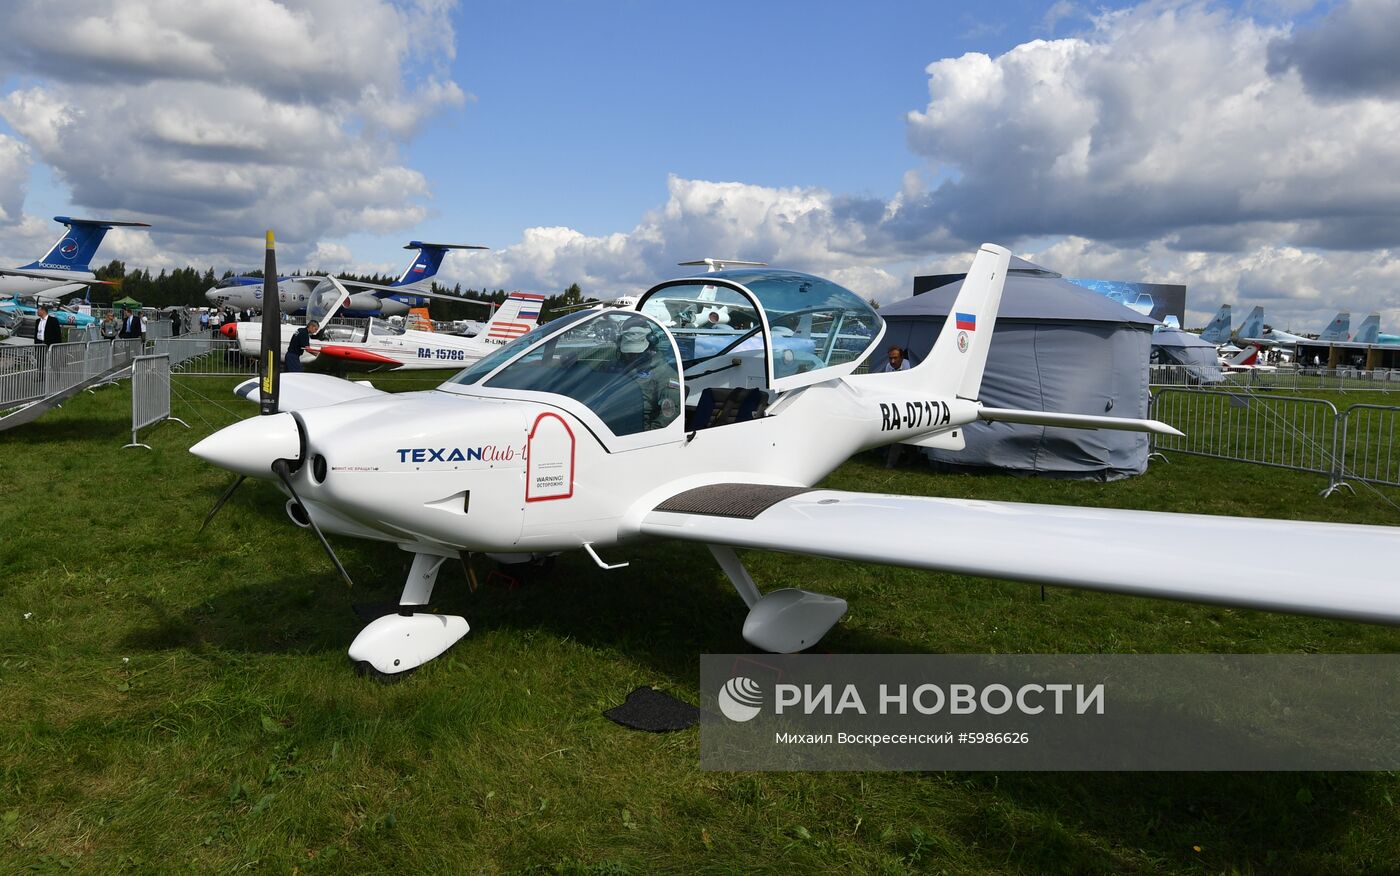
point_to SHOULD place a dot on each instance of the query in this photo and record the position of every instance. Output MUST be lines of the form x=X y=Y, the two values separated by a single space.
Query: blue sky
x=1249 y=150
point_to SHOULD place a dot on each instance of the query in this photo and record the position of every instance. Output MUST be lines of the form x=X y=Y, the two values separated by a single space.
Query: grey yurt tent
x=1056 y=347
x=1193 y=358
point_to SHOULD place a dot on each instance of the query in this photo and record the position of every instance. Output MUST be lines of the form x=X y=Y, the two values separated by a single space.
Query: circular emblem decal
x=740 y=699
x=962 y=342
x=69 y=248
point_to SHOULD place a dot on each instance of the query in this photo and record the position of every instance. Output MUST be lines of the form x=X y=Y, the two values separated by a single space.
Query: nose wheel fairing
x=405 y=640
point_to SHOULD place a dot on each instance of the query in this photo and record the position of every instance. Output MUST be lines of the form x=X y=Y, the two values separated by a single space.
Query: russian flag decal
x=966 y=322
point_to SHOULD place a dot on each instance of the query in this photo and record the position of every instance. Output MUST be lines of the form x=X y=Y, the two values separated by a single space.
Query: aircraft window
x=717 y=330
x=484 y=366
x=619 y=364
x=385 y=327
x=814 y=324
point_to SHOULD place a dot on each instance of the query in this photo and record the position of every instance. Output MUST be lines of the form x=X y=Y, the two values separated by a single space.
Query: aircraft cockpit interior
x=695 y=353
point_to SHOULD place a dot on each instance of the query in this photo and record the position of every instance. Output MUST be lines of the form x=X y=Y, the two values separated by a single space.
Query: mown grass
x=182 y=702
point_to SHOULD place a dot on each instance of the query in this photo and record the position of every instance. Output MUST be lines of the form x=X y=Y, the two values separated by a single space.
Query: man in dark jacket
x=47 y=331
x=131 y=324
x=300 y=341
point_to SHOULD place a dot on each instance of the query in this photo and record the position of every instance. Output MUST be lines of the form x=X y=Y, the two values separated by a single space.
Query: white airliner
x=67 y=267
x=412 y=289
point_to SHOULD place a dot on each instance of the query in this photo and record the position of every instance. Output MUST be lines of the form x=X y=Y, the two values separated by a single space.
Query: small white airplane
x=412 y=289
x=560 y=441
x=381 y=344
x=66 y=268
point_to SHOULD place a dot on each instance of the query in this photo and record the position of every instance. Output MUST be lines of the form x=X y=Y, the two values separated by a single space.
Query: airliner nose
x=251 y=446
x=229 y=330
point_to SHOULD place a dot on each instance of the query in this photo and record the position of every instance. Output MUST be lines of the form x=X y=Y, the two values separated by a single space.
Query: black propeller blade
x=269 y=367
x=283 y=472
x=237 y=482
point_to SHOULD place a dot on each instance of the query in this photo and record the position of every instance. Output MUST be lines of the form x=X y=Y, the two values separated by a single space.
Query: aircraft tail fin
x=519 y=314
x=1339 y=329
x=79 y=243
x=1245 y=358
x=954 y=367
x=1369 y=332
x=1253 y=325
x=1218 y=330
x=425 y=265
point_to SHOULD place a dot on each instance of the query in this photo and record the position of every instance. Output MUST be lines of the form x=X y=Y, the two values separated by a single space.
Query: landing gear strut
x=405 y=640
x=784 y=621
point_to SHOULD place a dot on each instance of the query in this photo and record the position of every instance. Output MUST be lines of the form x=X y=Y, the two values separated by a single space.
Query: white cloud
x=216 y=120
x=14 y=177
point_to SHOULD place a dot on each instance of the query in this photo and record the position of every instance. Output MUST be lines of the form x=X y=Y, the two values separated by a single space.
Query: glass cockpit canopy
x=818 y=329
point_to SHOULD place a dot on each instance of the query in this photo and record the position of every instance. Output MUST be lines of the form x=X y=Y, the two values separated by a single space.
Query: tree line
x=185 y=287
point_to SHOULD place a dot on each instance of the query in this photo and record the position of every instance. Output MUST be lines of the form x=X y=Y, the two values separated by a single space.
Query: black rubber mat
x=649 y=709
x=744 y=501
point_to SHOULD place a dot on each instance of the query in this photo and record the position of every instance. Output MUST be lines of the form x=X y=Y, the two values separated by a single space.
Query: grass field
x=179 y=702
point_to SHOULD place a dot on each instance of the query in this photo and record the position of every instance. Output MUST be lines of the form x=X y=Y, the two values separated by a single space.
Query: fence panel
x=1281 y=431
x=1369 y=451
x=21 y=374
x=150 y=394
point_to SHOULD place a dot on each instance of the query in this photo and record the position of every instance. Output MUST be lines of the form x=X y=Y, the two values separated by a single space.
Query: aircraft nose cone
x=251 y=446
x=229 y=330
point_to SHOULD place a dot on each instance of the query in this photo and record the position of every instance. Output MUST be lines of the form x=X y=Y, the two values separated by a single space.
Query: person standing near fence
x=131 y=324
x=174 y=323
x=47 y=331
x=109 y=326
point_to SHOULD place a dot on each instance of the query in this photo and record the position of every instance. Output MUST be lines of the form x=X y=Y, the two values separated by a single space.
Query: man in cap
x=660 y=385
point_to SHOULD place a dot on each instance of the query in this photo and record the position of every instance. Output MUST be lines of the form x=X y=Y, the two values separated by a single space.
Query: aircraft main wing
x=1095 y=548
x=300 y=390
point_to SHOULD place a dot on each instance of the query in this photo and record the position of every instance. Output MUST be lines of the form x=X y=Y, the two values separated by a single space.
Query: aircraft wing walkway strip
x=1096 y=548
x=740 y=501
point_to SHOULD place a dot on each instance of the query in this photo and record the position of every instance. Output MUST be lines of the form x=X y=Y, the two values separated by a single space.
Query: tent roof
x=128 y=300
x=1031 y=293
x=1166 y=336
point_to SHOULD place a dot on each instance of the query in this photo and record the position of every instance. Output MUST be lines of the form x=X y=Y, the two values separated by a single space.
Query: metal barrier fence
x=1301 y=434
x=1280 y=431
x=206 y=354
x=29 y=373
x=1368 y=451
x=150 y=394
x=1284 y=378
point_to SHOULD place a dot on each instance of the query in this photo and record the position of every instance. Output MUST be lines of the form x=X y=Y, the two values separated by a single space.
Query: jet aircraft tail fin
x=1218 y=330
x=1245 y=358
x=1369 y=332
x=425 y=265
x=954 y=366
x=1253 y=325
x=79 y=243
x=1339 y=329
x=518 y=314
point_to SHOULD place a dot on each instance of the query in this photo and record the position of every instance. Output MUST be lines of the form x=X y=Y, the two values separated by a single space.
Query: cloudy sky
x=1249 y=150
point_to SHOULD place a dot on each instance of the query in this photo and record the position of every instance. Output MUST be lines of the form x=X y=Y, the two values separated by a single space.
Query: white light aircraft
x=380 y=344
x=559 y=441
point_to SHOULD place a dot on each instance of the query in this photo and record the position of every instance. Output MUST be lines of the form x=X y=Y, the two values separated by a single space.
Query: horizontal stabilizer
x=1075 y=421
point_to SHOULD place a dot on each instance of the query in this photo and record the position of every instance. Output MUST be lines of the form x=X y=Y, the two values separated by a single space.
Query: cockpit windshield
x=499 y=357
